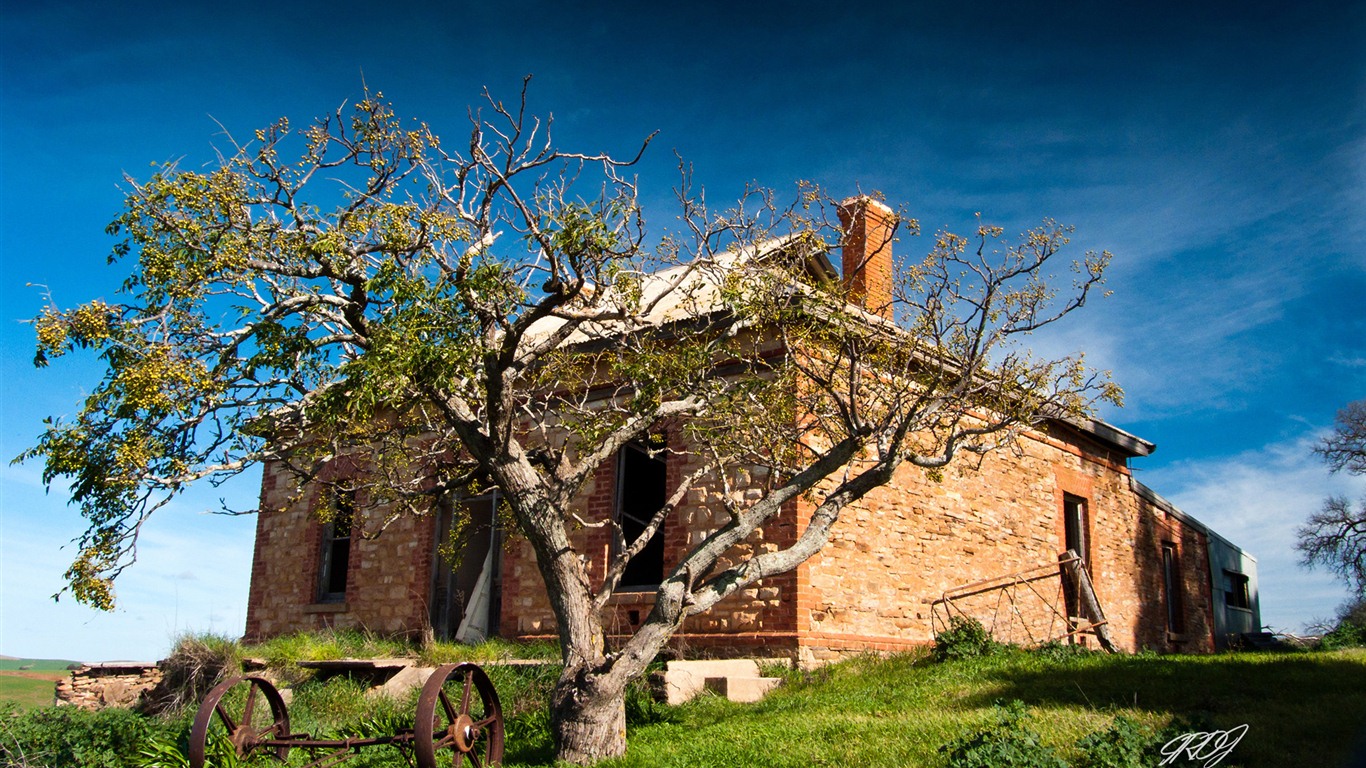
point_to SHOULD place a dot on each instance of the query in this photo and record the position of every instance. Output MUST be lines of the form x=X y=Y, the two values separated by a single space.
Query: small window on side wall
x=335 y=558
x=1236 y=593
x=1171 y=588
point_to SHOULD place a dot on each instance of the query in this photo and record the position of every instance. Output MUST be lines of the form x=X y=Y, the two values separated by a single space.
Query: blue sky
x=1219 y=151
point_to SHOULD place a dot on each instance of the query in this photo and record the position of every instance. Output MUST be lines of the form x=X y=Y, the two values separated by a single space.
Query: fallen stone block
x=402 y=682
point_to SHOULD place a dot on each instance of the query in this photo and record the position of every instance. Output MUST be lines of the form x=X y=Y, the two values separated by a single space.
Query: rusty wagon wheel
x=458 y=716
x=247 y=710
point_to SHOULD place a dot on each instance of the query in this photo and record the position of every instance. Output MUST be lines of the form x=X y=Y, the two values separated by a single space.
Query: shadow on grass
x=1301 y=709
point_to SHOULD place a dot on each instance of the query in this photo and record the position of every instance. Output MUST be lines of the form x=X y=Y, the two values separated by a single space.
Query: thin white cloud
x=21 y=475
x=1348 y=361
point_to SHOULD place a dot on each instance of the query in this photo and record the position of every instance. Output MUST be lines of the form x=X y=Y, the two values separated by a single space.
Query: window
x=1171 y=588
x=1075 y=538
x=1075 y=527
x=641 y=491
x=1236 y=590
x=336 y=548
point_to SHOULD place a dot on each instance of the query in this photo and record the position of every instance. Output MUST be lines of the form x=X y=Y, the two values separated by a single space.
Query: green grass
x=27 y=691
x=1301 y=709
x=283 y=651
x=493 y=649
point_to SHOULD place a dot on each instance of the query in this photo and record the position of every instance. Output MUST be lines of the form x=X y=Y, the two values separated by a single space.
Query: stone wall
x=112 y=684
x=389 y=572
x=890 y=557
x=761 y=615
x=896 y=552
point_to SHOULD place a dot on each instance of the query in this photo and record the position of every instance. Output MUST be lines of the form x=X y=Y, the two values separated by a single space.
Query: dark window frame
x=1076 y=534
x=1082 y=506
x=1237 y=590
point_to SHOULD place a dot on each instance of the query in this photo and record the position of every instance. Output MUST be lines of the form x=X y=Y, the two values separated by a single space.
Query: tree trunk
x=588 y=717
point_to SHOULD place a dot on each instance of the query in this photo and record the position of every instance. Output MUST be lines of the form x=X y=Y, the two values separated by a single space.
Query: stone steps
x=736 y=679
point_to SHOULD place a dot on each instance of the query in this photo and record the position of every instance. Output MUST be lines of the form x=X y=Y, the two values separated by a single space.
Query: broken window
x=1171 y=588
x=1236 y=593
x=336 y=548
x=641 y=491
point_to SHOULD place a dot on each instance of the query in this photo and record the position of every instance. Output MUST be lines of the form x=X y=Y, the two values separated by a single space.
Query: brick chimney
x=867 y=250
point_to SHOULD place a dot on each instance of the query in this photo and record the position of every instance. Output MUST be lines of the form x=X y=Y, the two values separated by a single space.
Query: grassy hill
x=1300 y=709
x=35 y=665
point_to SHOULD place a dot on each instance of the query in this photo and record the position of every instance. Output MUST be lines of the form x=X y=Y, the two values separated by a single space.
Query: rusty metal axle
x=458 y=717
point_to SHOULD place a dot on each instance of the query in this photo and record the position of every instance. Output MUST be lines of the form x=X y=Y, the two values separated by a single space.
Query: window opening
x=1236 y=594
x=641 y=492
x=1075 y=539
x=1171 y=583
x=336 y=547
x=1075 y=527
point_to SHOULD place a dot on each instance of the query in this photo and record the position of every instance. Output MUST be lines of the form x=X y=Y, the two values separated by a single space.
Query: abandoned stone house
x=984 y=542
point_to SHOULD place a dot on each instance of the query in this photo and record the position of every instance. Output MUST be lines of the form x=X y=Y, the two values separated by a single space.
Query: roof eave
x=1109 y=433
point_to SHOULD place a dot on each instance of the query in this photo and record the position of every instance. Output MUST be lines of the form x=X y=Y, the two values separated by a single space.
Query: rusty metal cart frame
x=443 y=727
x=1070 y=568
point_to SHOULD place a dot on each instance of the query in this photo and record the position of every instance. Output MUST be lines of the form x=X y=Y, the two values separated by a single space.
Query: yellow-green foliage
x=367 y=309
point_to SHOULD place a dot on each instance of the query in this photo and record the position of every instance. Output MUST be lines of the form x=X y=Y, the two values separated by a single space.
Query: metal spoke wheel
x=248 y=711
x=458 y=718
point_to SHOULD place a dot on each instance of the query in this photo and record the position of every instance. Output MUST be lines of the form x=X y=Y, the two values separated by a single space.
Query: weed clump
x=1056 y=651
x=197 y=663
x=1125 y=744
x=965 y=638
x=71 y=736
x=1007 y=742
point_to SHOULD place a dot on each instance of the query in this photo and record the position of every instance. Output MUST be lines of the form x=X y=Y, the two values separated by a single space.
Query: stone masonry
x=111 y=684
x=389 y=574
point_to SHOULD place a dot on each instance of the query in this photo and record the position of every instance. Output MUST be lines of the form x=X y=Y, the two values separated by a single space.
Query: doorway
x=466 y=589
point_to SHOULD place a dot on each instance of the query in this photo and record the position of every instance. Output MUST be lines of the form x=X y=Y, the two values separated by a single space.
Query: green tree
x=447 y=320
x=1335 y=536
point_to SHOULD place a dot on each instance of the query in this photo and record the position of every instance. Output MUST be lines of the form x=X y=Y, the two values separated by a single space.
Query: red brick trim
x=838 y=641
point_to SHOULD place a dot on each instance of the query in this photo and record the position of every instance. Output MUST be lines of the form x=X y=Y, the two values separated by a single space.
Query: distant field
x=29 y=682
x=28 y=689
x=35 y=665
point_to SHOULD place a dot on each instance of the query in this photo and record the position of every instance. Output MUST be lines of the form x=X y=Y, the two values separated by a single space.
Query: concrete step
x=717 y=667
x=736 y=679
x=743 y=689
